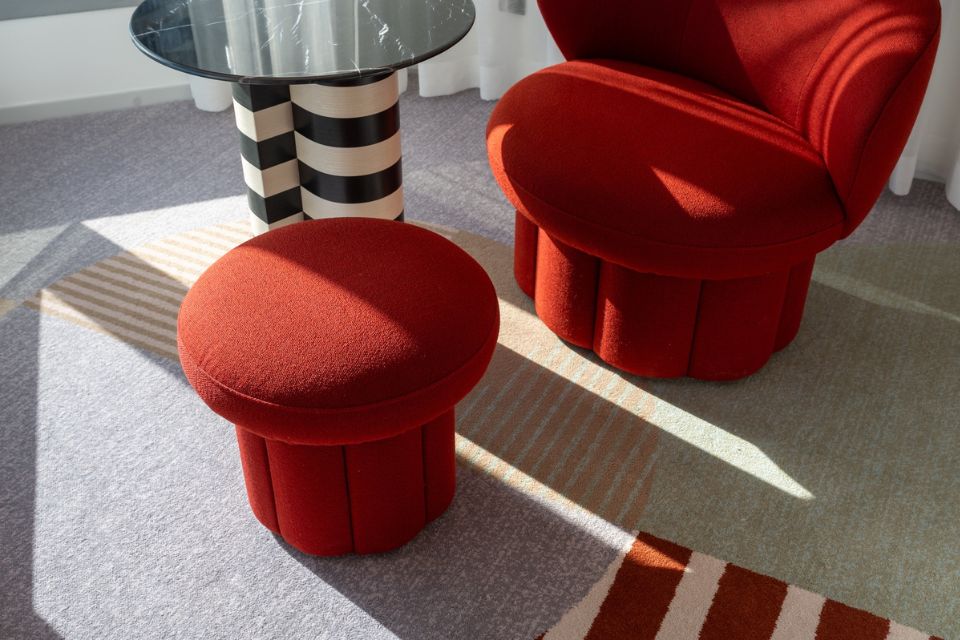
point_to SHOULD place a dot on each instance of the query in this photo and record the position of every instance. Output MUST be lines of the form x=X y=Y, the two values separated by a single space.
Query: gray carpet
x=120 y=509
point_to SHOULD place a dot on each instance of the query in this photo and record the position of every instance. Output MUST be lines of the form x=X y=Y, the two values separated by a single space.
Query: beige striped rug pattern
x=135 y=296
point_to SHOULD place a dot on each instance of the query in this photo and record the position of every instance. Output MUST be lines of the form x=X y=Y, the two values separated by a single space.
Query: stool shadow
x=497 y=564
x=548 y=488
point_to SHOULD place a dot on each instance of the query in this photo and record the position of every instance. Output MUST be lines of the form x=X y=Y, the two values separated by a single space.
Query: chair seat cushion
x=338 y=331
x=660 y=173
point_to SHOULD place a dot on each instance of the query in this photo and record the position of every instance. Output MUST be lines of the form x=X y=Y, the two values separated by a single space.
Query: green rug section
x=836 y=466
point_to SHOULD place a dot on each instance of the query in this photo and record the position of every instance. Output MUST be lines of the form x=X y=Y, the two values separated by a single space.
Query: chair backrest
x=848 y=74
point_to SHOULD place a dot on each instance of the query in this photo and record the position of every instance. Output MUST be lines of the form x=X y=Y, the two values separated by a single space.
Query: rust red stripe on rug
x=747 y=605
x=663 y=591
x=653 y=568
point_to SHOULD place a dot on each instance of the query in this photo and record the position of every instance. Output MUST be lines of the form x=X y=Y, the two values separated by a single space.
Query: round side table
x=315 y=91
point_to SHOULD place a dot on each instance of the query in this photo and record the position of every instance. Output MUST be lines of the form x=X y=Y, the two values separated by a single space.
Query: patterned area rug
x=660 y=590
x=549 y=421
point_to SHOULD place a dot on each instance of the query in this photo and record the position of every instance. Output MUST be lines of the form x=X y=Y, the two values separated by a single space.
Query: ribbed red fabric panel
x=645 y=322
x=439 y=464
x=310 y=490
x=664 y=326
x=737 y=324
x=525 y=253
x=566 y=290
x=256 y=476
x=793 y=303
x=385 y=481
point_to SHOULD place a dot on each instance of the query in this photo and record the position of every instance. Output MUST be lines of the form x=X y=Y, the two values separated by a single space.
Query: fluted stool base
x=362 y=498
x=659 y=326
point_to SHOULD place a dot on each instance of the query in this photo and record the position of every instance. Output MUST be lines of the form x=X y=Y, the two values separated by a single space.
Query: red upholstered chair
x=676 y=177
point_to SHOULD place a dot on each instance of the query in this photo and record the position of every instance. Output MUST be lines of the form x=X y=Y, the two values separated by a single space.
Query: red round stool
x=339 y=348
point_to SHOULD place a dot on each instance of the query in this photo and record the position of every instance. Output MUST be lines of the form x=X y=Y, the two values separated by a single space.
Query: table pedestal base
x=320 y=150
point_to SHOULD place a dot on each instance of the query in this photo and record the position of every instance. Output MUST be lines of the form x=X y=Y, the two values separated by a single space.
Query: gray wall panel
x=12 y=9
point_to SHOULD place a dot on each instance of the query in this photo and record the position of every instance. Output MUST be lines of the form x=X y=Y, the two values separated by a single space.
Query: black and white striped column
x=264 y=116
x=348 y=148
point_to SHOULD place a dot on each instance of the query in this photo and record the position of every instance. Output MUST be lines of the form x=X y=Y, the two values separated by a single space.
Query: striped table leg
x=348 y=147
x=265 y=119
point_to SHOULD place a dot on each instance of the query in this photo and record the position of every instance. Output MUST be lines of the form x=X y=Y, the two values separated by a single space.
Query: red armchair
x=676 y=177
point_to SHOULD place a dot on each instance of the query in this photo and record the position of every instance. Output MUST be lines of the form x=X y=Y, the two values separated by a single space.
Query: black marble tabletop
x=291 y=41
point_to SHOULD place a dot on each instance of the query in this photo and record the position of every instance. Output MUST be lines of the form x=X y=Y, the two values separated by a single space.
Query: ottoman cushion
x=338 y=331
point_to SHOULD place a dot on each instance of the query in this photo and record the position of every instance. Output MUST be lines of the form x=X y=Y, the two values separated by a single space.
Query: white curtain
x=503 y=47
x=934 y=148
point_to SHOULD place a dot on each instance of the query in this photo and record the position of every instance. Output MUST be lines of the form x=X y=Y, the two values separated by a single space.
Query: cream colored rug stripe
x=7 y=306
x=472 y=454
x=157 y=270
x=577 y=423
x=204 y=250
x=507 y=386
x=93 y=306
x=128 y=288
x=169 y=258
x=98 y=312
x=602 y=432
x=628 y=509
x=184 y=254
x=226 y=235
x=563 y=462
x=900 y=632
x=691 y=602
x=496 y=423
x=611 y=443
x=502 y=433
x=136 y=295
x=567 y=425
x=799 y=615
x=134 y=301
x=505 y=442
x=139 y=276
x=545 y=423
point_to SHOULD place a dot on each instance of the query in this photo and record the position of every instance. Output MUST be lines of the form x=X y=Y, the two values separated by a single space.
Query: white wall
x=73 y=63
x=940 y=116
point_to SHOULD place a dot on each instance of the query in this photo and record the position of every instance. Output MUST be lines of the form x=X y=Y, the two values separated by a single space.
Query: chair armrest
x=863 y=97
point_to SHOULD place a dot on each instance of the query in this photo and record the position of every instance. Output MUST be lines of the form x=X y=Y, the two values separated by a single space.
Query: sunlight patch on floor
x=726 y=447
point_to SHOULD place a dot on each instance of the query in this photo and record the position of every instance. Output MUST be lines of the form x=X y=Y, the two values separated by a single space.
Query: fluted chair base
x=659 y=326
